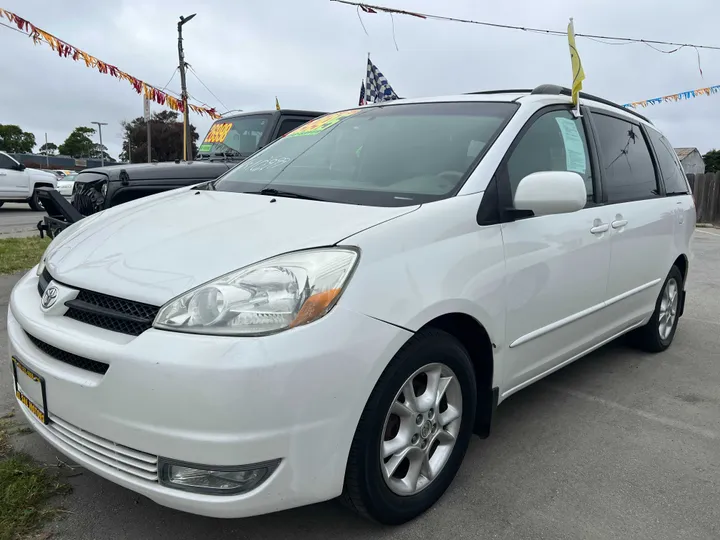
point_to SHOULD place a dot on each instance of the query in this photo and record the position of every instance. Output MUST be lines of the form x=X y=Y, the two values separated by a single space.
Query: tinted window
x=6 y=162
x=672 y=172
x=554 y=142
x=396 y=155
x=286 y=126
x=628 y=172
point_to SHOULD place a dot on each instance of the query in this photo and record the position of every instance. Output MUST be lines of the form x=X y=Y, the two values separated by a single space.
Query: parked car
x=19 y=183
x=338 y=314
x=65 y=185
x=58 y=173
x=229 y=141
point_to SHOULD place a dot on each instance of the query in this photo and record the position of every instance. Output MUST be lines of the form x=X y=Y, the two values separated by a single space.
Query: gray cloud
x=312 y=54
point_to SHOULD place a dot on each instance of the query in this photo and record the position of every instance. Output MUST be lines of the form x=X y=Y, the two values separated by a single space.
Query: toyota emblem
x=49 y=297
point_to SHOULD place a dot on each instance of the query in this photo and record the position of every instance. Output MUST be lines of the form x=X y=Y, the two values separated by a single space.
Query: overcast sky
x=312 y=54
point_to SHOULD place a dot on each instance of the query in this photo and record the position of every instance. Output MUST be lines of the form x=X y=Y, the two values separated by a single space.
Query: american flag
x=377 y=88
x=362 y=94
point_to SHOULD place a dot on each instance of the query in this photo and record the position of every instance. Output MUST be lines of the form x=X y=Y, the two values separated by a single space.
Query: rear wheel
x=34 y=202
x=657 y=335
x=414 y=431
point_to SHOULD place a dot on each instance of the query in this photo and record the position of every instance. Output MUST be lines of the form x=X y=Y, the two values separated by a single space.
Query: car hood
x=169 y=170
x=156 y=248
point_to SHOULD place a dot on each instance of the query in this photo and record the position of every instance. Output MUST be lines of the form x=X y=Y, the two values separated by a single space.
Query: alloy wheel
x=420 y=429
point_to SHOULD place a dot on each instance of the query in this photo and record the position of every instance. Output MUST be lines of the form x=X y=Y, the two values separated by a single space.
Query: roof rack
x=510 y=91
x=556 y=90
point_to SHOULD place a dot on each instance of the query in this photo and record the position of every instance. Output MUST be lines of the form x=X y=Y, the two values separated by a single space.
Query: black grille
x=43 y=281
x=111 y=313
x=69 y=358
x=87 y=197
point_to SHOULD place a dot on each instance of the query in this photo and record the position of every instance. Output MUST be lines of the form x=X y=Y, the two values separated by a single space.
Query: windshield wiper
x=280 y=193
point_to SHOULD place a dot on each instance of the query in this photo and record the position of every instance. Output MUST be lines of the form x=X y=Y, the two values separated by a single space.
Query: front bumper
x=296 y=396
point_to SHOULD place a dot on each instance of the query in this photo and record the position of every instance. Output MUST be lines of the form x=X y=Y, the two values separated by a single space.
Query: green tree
x=166 y=138
x=13 y=139
x=48 y=149
x=712 y=161
x=79 y=144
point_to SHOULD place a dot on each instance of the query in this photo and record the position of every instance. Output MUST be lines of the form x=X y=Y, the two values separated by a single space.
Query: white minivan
x=338 y=314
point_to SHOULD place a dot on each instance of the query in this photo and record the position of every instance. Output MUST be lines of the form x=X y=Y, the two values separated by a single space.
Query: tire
x=656 y=336
x=368 y=490
x=34 y=202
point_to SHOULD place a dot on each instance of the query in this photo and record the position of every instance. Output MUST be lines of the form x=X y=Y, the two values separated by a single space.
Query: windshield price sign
x=321 y=124
x=218 y=132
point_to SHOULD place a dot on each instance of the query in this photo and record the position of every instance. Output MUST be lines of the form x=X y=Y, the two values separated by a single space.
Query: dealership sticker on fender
x=30 y=390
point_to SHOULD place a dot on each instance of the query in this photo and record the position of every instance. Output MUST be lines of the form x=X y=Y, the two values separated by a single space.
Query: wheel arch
x=682 y=263
x=478 y=343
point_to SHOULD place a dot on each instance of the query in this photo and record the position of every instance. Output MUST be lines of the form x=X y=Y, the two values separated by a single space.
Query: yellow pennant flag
x=577 y=69
x=277 y=104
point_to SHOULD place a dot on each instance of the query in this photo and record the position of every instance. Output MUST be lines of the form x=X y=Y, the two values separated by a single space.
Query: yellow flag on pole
x=277 y=104
x=577 y=69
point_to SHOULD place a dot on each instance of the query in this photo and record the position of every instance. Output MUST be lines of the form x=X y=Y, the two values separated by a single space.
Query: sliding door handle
x=619 y=223
x=599 y=229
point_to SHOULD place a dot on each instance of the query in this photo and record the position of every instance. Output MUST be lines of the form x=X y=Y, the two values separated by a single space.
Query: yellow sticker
x=218 y=132
x=321 y=124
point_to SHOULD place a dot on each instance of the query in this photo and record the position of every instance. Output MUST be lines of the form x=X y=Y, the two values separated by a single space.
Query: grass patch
x=25 y=488
x=21 y=253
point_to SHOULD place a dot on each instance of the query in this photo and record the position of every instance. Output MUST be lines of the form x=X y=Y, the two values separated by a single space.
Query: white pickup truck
x=19 y=183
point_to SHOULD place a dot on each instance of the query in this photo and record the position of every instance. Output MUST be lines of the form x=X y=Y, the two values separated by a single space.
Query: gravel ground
x=619 y=444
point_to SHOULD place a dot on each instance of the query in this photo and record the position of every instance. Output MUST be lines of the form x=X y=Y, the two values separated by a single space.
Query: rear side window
x=554 y=142
x=672 y=172
x=627 y=168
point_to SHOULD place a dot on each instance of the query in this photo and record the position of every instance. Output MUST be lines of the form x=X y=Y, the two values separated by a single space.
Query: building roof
x=682 y=153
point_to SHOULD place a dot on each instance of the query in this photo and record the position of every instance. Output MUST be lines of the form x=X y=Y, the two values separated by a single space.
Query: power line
x=369 y=8
x=164 y=88
x=13 y=28
x=206 y=88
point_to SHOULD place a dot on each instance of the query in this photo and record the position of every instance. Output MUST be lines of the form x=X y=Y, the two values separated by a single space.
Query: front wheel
x=414 y=430
x=657 y=335
x=34 y=202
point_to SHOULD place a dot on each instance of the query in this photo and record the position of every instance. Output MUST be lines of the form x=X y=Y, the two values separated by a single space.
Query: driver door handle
x=619 y=223
x=599 y=229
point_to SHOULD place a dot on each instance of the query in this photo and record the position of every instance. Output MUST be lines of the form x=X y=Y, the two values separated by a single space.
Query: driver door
x=13 y=183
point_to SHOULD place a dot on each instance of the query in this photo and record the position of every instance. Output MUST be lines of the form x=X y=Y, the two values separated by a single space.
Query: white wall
x=693 y=163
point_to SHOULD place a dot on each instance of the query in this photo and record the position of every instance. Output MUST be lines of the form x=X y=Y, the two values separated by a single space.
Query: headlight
x=41 y=265
x=280 y=293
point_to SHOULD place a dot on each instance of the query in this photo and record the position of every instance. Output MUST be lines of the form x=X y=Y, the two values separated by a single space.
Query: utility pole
x=102 y=148
x=146 y=112
x=47 y=156
x=187 y=142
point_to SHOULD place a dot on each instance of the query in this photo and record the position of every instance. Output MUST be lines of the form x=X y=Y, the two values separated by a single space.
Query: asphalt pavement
x=16 y=219
x=618 y=445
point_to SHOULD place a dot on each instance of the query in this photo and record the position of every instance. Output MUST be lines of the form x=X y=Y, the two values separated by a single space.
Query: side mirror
x=551 y=192
x=19 y=167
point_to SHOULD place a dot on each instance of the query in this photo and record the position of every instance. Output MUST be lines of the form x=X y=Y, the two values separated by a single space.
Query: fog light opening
x=215 y=480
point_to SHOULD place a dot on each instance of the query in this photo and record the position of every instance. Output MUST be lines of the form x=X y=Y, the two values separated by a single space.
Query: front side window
x=286 y=126
x=627 y=168
x=396 y=155
x=238 y=136
x=555 y=141
x=6 y=162
x=672 y=172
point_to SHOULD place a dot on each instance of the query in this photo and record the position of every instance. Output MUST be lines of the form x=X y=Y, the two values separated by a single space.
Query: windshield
x=395 y=155
x=234 y=136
